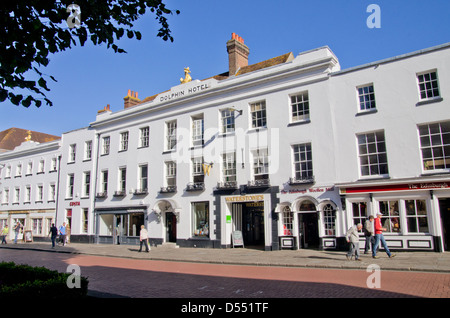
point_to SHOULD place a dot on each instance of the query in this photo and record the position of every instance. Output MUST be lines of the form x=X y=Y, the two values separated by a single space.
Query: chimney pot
x=237 y=54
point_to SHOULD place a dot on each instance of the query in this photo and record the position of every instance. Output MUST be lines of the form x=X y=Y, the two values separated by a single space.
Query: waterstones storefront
x=416 y=213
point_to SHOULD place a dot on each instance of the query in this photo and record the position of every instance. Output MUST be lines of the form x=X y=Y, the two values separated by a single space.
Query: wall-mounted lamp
x=232 y=109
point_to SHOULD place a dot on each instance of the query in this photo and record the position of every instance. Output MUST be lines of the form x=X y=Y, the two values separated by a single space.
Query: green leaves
x=32 y=29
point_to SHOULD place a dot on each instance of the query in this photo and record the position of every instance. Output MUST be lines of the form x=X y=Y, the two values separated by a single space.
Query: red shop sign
x=397 y=187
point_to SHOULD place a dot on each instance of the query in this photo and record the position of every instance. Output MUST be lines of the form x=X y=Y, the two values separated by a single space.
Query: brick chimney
x=106 y=109
x=131 y=99
x=237 y=54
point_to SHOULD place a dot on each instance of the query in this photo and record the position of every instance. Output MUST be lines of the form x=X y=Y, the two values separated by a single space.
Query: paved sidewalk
x=404 y=261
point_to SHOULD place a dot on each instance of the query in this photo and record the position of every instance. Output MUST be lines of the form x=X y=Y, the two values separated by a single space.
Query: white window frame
x=122 y=179
x=104 y=185
x=258 y=114
x=229 y=170
x=143 y=180
x=144 y=137
x=436 y=145
x=302 y=157
x=39 y=193
x=197 y=130
x=171 y=135
x=88 y=150
x=70 y=185
x=372 y=148
x=228 y=121
x=171 y=173
x=72 y=153
x=86 y=183
x=299 y=102
x=124 y=141
x=366 y=98
x=106 y=145
x=260 y=163
x=431 y=93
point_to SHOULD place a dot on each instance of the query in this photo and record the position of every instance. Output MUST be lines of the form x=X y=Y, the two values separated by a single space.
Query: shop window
x=359 y=212
x=37 y=226
x=135 y=220
x=200 y=219
x=288 y=220
x=416 y=216
x=390 y=219
x=329 y=220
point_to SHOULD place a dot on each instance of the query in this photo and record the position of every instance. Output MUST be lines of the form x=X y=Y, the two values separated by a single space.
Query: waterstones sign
x=185 y=92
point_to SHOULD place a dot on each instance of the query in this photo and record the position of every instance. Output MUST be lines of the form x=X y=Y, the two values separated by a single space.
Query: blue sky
x=91 y=77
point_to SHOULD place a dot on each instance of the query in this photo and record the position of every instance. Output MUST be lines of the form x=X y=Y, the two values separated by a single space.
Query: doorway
x=171 y=226
x=120 y=221
x=308 y=228
x=248 y=218
x=444 y=207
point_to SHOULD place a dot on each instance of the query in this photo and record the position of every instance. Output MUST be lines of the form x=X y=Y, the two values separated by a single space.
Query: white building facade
x=286 y=153
x=29 y=188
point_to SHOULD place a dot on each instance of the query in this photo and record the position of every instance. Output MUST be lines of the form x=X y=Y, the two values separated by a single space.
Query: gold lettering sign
x=245 y=198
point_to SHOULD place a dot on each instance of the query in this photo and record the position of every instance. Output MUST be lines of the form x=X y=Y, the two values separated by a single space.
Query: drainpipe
x=94 y=215
x=57 y=191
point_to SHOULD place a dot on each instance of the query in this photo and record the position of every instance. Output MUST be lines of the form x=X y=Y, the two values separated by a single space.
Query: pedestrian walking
x=380 y=237
x=352 y=237
x=62 y=233
x=369 y=233
x=143 y=239
x=17 y=229
x=5 y=232
x=54 y=234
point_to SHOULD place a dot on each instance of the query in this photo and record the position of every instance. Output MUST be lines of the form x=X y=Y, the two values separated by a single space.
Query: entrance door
x=444 y=206
x=171 y=225
x=253 y=223
x=120 y=228
x=309 y=230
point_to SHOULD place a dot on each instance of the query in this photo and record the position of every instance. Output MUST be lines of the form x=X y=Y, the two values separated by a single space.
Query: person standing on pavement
x=62 y=233
x=379 y=237
x=5 y=232
x=54 y=233
x=352 y=237
x=369 y=233
x=17 y=228
x=143 y=239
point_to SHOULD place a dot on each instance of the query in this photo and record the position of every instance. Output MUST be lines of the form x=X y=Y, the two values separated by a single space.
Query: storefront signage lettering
x=311 y=190
x=398 y=187
x=245 y=198
x=76 y=203
x=184 y=92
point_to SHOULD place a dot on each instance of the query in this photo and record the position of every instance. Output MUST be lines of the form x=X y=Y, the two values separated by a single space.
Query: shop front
x=415 y=213
x=308 y=223
x=247 y=221
x=119 y=226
